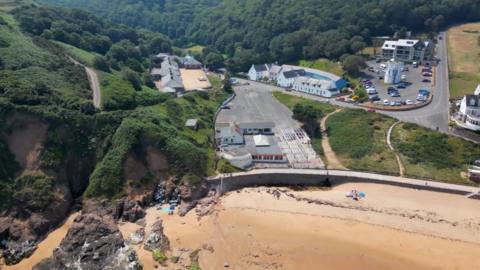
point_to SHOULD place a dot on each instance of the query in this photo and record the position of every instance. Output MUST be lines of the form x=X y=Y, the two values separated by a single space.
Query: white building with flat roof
x=469 y=115
x=408 y=50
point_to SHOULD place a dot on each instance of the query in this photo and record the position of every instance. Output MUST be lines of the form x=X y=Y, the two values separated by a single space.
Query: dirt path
x=332 y=160
x=389 y=142
x=94 y=82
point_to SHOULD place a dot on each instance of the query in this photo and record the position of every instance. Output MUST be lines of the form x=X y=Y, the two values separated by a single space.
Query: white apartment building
x=315 y=87
x=408 y=50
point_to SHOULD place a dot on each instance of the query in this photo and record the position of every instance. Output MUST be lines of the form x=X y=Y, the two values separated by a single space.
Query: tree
x=100 y=63
x=214 y=60
x=1 y=63
x=133 y=78
x=352 y=64
x=309 y=116
x=227 y=83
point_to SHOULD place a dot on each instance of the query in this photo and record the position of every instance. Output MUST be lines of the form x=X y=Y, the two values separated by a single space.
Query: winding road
x=93 y=80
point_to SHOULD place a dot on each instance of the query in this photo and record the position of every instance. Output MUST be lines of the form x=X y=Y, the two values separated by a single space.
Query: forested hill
x=283 y=30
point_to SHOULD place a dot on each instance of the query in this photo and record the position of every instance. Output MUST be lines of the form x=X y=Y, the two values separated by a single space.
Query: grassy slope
x=323 y=64
x=464 y=56
x=79 y=54
x=429 y=154
x=31 y=63
x=359 y=140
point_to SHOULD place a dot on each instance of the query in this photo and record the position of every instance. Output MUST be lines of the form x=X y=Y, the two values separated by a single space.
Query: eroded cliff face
x=42 y=195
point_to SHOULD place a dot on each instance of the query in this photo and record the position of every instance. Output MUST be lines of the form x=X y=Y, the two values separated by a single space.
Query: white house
x=469 y=115
x=287 y=77
x=325 y=88
x=274 y=71
x=408 y=50
x=259 y=72
x=228 y=133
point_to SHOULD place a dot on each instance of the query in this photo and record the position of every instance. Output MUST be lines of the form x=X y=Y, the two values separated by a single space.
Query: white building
x=408 y=50
x=264 y=72
x=287 y=77
x=228 y=133
x=324 y=88
x=393 y=73
x=238 y=157
x=469 y=115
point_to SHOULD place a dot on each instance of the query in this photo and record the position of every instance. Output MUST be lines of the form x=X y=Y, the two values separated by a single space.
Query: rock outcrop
x=93 y=242
x=157 y=240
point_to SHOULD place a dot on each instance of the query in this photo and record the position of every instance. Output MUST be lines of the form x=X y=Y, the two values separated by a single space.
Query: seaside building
x=408 y=50
x=264 y=72
x=265 y=149
x=469 y=114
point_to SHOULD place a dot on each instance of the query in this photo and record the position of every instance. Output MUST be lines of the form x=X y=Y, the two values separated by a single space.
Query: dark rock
x=157 y=240
x=16 y=251
x=132 y=210
x=93 y=242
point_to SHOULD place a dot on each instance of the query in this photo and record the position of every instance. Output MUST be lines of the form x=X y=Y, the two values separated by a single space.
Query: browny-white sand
x=392 y=228
x=190 y=78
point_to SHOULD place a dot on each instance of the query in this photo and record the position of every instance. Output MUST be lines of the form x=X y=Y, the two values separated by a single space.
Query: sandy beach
x=392 y=228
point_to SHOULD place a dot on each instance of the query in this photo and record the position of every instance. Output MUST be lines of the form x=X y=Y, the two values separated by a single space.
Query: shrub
x=34 y=192
x=100 y=63
x=159 y=256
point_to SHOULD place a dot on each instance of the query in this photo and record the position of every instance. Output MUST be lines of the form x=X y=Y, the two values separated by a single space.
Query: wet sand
x=392 y=228
x=45 y=248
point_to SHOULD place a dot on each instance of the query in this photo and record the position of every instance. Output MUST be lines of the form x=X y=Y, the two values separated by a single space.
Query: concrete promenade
x=228 y=182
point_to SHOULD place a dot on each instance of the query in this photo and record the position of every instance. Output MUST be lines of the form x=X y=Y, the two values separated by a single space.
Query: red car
x=340 y=99
x=371 y=110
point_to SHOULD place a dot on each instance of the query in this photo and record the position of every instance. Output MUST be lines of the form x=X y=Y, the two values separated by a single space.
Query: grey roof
x=272 y=149
x=191 y=61
x=293 y=73
x=191 y=123
x=260 y=68
x=473 y=101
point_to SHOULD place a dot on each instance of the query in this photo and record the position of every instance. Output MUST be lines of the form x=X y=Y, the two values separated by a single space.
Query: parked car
x=424 y=92
x=391 y=89
x=421 y=98
x=409 y=102
x=372 y=69
x=386 y=102
x=415 y=64
x=374 y=98
x=426 y=80
x=401 y=86
x=225 y=107
x=395 y=94
x=403 y=77
x=378 y=60
x=397 y=103
x=371 y=110
x=380 y=77
x=427 y=74
x=392 y=103
x=341 y=99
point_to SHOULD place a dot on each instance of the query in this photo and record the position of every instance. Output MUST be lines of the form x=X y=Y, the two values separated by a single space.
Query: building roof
x=191 y=123
x=275 y=69
x=261 y=140
x=271 y=149
x=477 y=91
x=392 y=44
x=256 y=125
x=190 y=61
x=293 y=73
x=260 y=68
x=169 y=90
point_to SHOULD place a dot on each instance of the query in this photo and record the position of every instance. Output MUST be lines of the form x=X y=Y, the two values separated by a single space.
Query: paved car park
x=407 y=90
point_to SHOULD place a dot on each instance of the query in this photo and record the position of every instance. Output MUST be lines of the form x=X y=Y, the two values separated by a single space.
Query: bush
x=34 y=192
x=3 y=43
x=100 y=63
x=224 y=166
x=133 y=78
x=159 y=256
